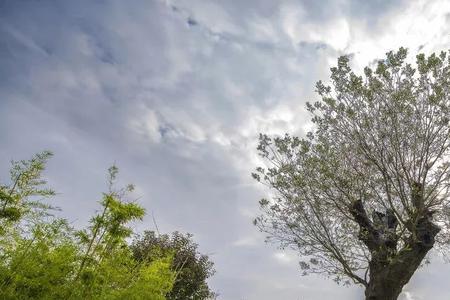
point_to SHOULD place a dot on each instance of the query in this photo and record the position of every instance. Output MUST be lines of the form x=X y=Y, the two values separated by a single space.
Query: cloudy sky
x=175 y=93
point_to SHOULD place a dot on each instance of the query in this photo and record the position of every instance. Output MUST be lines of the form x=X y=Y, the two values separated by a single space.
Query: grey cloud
x=175 y=93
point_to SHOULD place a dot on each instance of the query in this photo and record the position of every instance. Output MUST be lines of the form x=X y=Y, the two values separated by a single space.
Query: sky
x=175 y=94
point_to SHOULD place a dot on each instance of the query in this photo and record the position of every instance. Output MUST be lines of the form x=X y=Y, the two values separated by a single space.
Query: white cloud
x=285 y=257
x=181 y=106
x=248 y=241
x=409 y=296
x=420 y=23
x=335 y=32
x=146 y=125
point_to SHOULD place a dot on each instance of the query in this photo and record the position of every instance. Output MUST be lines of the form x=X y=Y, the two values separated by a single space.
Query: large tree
x=364 y=196
x=192 y=269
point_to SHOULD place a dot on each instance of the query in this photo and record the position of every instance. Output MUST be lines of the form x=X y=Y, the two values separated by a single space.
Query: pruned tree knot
x=426 y=231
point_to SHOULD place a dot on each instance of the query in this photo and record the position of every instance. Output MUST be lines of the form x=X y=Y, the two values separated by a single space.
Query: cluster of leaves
x=192 y=268
x=43 y=257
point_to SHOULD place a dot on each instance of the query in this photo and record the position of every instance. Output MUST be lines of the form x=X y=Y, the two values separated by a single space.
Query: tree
x=38 y=265
x=42 y=257
x=18 y=199
x=364 y=196
x=192 y=268
x=107 y=268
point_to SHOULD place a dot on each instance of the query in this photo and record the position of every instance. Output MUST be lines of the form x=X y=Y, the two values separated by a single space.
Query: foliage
x=18 y=199
x=32 y=266
x=362 y=189
x=42 y=257
x=192 y=268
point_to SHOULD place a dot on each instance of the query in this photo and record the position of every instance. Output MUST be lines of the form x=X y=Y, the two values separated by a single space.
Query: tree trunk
x=381 y=289
x=391 y=268
x=389 y=273
x=387 y=279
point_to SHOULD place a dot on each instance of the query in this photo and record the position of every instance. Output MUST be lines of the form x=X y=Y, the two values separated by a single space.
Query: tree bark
x=389 y=273
x=391 y=268
x=382 y=288
x=388 y=279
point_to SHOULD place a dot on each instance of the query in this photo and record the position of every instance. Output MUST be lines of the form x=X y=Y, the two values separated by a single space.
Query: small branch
x=156 y=225
x=368 y=234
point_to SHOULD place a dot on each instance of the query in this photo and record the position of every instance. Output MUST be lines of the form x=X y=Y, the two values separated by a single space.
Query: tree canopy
x=43 y=257
x=363 y=197
x=191 y=267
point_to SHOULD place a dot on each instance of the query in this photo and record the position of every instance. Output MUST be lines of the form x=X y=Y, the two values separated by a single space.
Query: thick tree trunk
x=391 y=268
x=389 y=273
x=388 y=279
x=381 y=289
